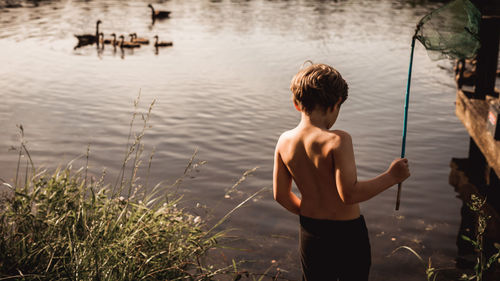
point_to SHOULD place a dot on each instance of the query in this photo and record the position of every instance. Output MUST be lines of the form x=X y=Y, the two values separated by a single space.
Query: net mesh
x=451 y=31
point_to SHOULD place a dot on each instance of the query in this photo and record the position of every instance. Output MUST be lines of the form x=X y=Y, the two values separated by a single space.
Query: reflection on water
x=223 y=89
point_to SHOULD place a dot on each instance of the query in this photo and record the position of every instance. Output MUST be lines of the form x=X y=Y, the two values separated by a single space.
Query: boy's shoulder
x=343 y=136
x=334 y=138
x=337 y=138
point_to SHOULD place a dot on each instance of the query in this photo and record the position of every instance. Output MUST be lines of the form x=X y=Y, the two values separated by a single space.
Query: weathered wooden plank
x=473 y=114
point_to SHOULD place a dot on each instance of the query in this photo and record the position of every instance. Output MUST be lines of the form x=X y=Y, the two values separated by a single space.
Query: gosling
x=128 y=45
x=162 y=43
x=134 y=39
x=108 y=41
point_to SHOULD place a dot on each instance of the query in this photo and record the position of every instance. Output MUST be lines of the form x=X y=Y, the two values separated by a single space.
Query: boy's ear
x=337 y=104
x=296 y=106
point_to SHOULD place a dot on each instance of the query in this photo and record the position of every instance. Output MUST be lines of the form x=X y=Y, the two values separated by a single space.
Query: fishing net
x=451 y=31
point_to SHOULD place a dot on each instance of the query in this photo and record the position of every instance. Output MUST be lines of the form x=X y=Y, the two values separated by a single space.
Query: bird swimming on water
x=158 y=14
x=108 y=41
x=135 y=39
x=87 y=39
x=162 y=43
x=125 y=44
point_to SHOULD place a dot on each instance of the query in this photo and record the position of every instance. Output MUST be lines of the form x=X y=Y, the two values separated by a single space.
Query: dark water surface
x=223 y=88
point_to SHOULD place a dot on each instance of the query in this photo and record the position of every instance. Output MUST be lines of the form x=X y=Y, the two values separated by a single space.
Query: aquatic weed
x=483 y=263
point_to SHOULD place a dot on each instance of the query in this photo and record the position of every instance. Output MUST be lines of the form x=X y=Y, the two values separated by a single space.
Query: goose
x=87 y=39
x=110 y=41
x=124 y=44
x=161 y=43
x=134 y=39
x=107 y=41
x=158 y=14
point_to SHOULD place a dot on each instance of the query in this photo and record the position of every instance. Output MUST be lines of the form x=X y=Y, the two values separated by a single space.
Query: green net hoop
x=451 y=31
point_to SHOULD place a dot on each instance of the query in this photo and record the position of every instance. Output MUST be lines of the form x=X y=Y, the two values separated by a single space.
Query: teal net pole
x=405 y=122
x=450 y=31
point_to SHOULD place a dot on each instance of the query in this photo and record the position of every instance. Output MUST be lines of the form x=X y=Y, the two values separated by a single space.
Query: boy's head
x=318 y=86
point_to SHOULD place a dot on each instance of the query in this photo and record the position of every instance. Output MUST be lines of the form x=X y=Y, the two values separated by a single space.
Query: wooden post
x=489 y=35
x=478 y=164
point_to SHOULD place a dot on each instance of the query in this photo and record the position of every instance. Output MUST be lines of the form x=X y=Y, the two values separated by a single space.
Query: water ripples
x=223 y=89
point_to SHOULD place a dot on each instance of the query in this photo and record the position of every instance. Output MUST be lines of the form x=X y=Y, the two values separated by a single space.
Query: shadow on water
x=472 y=176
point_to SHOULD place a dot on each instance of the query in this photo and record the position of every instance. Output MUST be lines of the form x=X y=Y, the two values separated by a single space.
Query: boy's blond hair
x=318 y=85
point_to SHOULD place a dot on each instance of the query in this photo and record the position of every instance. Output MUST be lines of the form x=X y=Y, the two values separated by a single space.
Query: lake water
x=223 y=88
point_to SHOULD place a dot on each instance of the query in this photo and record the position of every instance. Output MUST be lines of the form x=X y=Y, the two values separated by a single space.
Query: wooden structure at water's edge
x=478 y=107
x=478 y=104
x=474 y=115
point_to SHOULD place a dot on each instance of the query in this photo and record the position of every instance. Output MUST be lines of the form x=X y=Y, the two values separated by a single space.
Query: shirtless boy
x=334 y=242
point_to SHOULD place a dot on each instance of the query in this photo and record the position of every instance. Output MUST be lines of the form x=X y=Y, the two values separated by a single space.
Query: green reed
x=67 y=225
x=483 y=262
x=430 y=272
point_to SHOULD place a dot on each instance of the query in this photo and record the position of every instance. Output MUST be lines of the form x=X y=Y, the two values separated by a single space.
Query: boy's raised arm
x=351 y=190
x=282 y=185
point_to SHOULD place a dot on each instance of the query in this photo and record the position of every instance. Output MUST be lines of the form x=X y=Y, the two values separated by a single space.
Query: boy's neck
x=315 y=119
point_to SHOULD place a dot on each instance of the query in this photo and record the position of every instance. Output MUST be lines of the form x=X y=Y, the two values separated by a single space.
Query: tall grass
x=65 y=225
x=483 y=262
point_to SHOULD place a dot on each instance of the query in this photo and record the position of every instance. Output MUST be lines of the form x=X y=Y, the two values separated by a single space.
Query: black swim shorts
x=334 y=250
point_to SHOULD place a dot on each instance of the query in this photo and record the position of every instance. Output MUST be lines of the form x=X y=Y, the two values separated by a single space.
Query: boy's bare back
x=320 y=161
x=308 y=153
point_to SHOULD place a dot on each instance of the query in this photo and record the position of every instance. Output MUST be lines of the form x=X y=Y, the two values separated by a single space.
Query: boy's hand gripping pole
x=405 y=122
